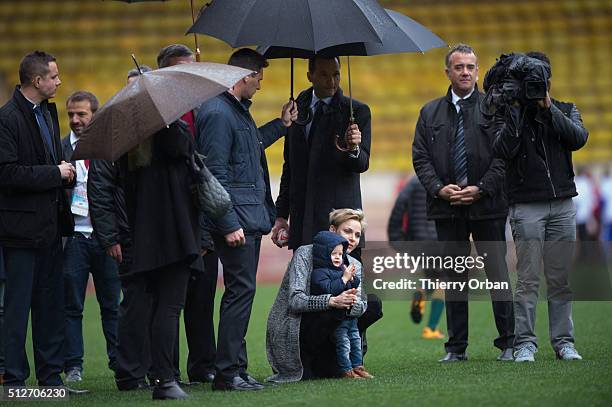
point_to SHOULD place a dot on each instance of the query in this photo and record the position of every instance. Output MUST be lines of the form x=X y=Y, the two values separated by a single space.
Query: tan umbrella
x=154 y=100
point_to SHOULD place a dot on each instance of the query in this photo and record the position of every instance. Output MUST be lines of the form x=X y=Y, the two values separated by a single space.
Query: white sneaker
x=73 y=375
x=525 y=353
x=568 y=352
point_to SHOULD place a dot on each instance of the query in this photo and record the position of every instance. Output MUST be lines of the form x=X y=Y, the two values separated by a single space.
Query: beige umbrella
x=146 y=105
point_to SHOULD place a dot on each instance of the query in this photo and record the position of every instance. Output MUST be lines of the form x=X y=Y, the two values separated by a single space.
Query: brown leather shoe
x=361 y=372
x=351 y=375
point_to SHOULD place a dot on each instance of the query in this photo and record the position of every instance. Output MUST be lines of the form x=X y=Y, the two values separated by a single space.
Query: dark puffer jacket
x=327 y=278
x=234 y=150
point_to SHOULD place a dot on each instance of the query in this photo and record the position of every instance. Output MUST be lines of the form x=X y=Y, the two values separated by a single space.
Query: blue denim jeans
x=81 y=257
x=348 y=345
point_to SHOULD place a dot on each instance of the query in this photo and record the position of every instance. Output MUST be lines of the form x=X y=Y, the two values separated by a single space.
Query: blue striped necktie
x=459 y=154
x=44 y=130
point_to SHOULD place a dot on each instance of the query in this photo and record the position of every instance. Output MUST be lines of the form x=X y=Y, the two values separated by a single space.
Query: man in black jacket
x=234 y=148
x=537 y=139
x=109 y=219
x=317 y=176
x=34 y=214
x=452 y=156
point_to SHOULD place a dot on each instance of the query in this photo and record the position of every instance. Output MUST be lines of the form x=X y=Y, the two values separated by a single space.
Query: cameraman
x=536 y=139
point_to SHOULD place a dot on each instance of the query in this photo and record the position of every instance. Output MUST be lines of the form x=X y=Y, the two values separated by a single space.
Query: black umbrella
x=195 y=37
x=406 y=35
x=307 y=24
x=295 y=24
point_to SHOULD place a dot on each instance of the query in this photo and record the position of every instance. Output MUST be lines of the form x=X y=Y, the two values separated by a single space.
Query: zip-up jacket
x=538 y=152
x=234 y=148
x=434 y=140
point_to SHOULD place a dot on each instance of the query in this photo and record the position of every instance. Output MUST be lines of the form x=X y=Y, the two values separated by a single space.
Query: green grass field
x=405 y=367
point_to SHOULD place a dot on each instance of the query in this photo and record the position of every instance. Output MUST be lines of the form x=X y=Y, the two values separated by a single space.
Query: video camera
x=514 y=78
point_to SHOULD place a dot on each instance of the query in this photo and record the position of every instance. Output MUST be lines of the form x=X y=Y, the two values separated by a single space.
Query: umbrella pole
x=348 y=65
x=195 y=36
x=352 y=117
x=291 y=98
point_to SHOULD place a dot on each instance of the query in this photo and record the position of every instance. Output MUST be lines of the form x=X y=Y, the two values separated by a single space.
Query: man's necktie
x=44 y=130
x=459 y=154
x=315 y=120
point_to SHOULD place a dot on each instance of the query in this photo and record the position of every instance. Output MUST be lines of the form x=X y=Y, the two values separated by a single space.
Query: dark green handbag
x=211 y=196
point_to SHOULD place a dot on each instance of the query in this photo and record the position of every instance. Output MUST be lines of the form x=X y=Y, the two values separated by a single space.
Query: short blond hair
x=338 y=216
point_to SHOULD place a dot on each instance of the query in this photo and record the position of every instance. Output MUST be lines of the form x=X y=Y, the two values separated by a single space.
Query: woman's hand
x=344 y=300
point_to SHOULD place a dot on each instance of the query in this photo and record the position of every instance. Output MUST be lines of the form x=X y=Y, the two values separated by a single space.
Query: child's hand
x=349 y=273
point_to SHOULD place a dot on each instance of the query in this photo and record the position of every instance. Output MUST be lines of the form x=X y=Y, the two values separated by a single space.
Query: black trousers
x=457 y=233
x=1 y=323
x=134 y=332
x=34 y=283
x=317 y=347
x=199 y=323
x=168 y=290
x=239 y=274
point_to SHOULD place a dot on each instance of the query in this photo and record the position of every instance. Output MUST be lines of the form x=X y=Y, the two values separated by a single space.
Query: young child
x=333 y=275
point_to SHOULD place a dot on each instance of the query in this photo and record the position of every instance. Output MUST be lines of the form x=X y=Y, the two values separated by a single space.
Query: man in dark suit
x=34 y=214
x=452 y=156
x=83 y=254
x=317 y=175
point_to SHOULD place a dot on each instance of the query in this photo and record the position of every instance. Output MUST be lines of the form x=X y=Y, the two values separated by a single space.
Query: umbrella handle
x=195 y=36
x=307 y=119
x=338 y=139
x=137 y=65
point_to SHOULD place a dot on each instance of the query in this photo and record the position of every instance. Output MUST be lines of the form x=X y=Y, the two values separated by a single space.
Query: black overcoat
x=317 y=177
x=33 y=206
x=160 y=206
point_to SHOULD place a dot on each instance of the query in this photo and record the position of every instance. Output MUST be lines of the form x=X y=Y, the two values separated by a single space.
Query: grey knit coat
x=293 y=298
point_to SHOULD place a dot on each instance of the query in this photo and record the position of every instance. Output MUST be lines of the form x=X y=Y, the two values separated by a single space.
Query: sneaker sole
x=415 y=308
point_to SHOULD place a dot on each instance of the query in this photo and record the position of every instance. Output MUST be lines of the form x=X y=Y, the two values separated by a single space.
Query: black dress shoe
x=251 y=380
x=169 y=390
x=237 y=383
x=133 y=385
x=453 y=357
x=207 y=378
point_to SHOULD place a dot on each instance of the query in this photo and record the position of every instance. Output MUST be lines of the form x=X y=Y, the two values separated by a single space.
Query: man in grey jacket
x=234 y=148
